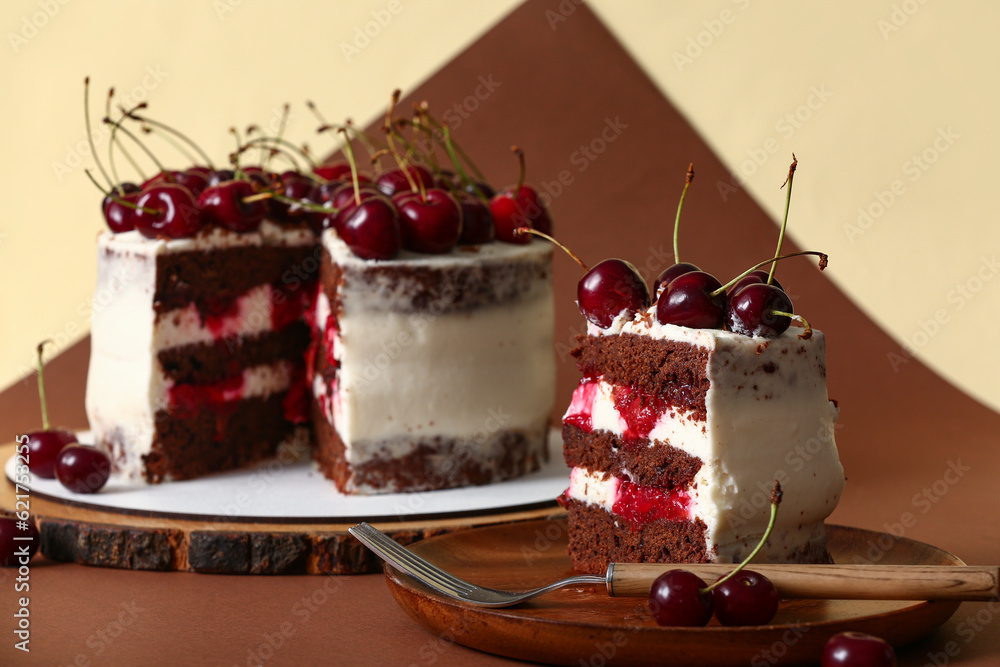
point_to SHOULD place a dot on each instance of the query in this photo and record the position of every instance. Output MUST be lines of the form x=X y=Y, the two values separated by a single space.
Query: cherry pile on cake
x=692 y=404
x=391 y=320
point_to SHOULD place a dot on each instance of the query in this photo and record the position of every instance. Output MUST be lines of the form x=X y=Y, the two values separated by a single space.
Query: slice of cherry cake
x=675 y=436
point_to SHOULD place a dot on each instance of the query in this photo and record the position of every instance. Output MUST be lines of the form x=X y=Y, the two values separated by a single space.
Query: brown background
x=900 y=430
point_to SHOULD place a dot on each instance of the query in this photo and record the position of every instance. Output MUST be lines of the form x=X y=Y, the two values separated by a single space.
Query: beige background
x=886 y=104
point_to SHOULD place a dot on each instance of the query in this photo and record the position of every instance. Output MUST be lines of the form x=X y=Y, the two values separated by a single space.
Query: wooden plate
x=583 y=626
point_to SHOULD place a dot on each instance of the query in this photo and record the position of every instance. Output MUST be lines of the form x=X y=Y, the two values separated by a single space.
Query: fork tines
x=405 y=560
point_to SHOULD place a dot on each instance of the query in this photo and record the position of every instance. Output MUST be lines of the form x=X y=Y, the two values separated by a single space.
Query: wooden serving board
x=111 y=537
x=583 y=625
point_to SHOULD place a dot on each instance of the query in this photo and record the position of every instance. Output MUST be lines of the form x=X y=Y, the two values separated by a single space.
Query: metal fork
x=843 y=582
x=431 y=575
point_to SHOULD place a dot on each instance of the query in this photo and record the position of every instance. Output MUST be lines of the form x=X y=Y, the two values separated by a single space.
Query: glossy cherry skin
x=391 y=182
x=323 y=192
x=175 y=212
x=44 y=448
x=293 y=185
x=676 y=599
x=432 y=224
x=116 y=214
x=523 y=210
x=757 y=276
x=10 y=547
x=609 y=288
x=192 y=180
x=372 y=229
x=201 y=170
x=338 y=171
x=669 y=274
x=856 y=649
x=477 y=222
x=746 y=598
x=83 y=469
x=344 y=201
x=224 y=205
x=687 y=302
x=750 y=311
x=221 y=176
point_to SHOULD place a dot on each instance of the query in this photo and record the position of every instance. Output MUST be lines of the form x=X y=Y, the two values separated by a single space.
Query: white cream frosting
x=760 y=426
x=457 y=374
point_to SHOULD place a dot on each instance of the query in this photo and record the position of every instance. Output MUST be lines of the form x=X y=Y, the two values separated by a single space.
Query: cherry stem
x=438 y=125
x=520 y=176
x=308 y=206
x=775 y=501
x=449 y=147
x=281 y=130
x=149 y=153
x=354 y=165
x=822 y=265
x=286 y=146
x=805 y=335
x=234 y=158
x=149 y=129
x=677 y=220
x=41 y=386
x=90 y=136
x=422 y=127
x=521 y=231
x=115 y=141
x=177 y=133
x=784 y=222
x=272 y=150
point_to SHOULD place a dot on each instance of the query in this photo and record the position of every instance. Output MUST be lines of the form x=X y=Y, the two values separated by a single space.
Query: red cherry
x=371 y=229
x=293 y=185
x=224 y=205
x=338 y=171
x=524 y=209
x=431 y=224
x=609 y=288
x=751 y=311
x=192 y=180
x=746 y=598
x=44 y=448
x=12 y=541
x=83 y=469
x=678 y=598
x=856 y=649
x=688 y=301
x=477 y=222
x=173 y=212
x=669 y=273
x=395 y=181
x=116 y=214
x=204 y=172
x=758 y=276
x=221 y=176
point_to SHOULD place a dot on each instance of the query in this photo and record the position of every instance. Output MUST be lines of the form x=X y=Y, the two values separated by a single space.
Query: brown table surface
x=902 y=427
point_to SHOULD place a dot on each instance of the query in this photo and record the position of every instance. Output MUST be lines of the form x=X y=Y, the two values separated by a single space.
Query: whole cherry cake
x=391 y=319
x=691 y=406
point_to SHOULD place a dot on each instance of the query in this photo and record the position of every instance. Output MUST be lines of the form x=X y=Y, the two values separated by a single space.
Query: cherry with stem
x=44 y=446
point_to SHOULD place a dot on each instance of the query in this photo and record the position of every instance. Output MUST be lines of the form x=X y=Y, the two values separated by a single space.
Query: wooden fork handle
x=833 y=582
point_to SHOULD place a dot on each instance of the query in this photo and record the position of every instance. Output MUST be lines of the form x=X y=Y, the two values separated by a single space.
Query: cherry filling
x=219 y=397
x=289 y=303
x=638 y=410
x=642 y=504
x=581 y=407
x=329 y=340
x=295 y=405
